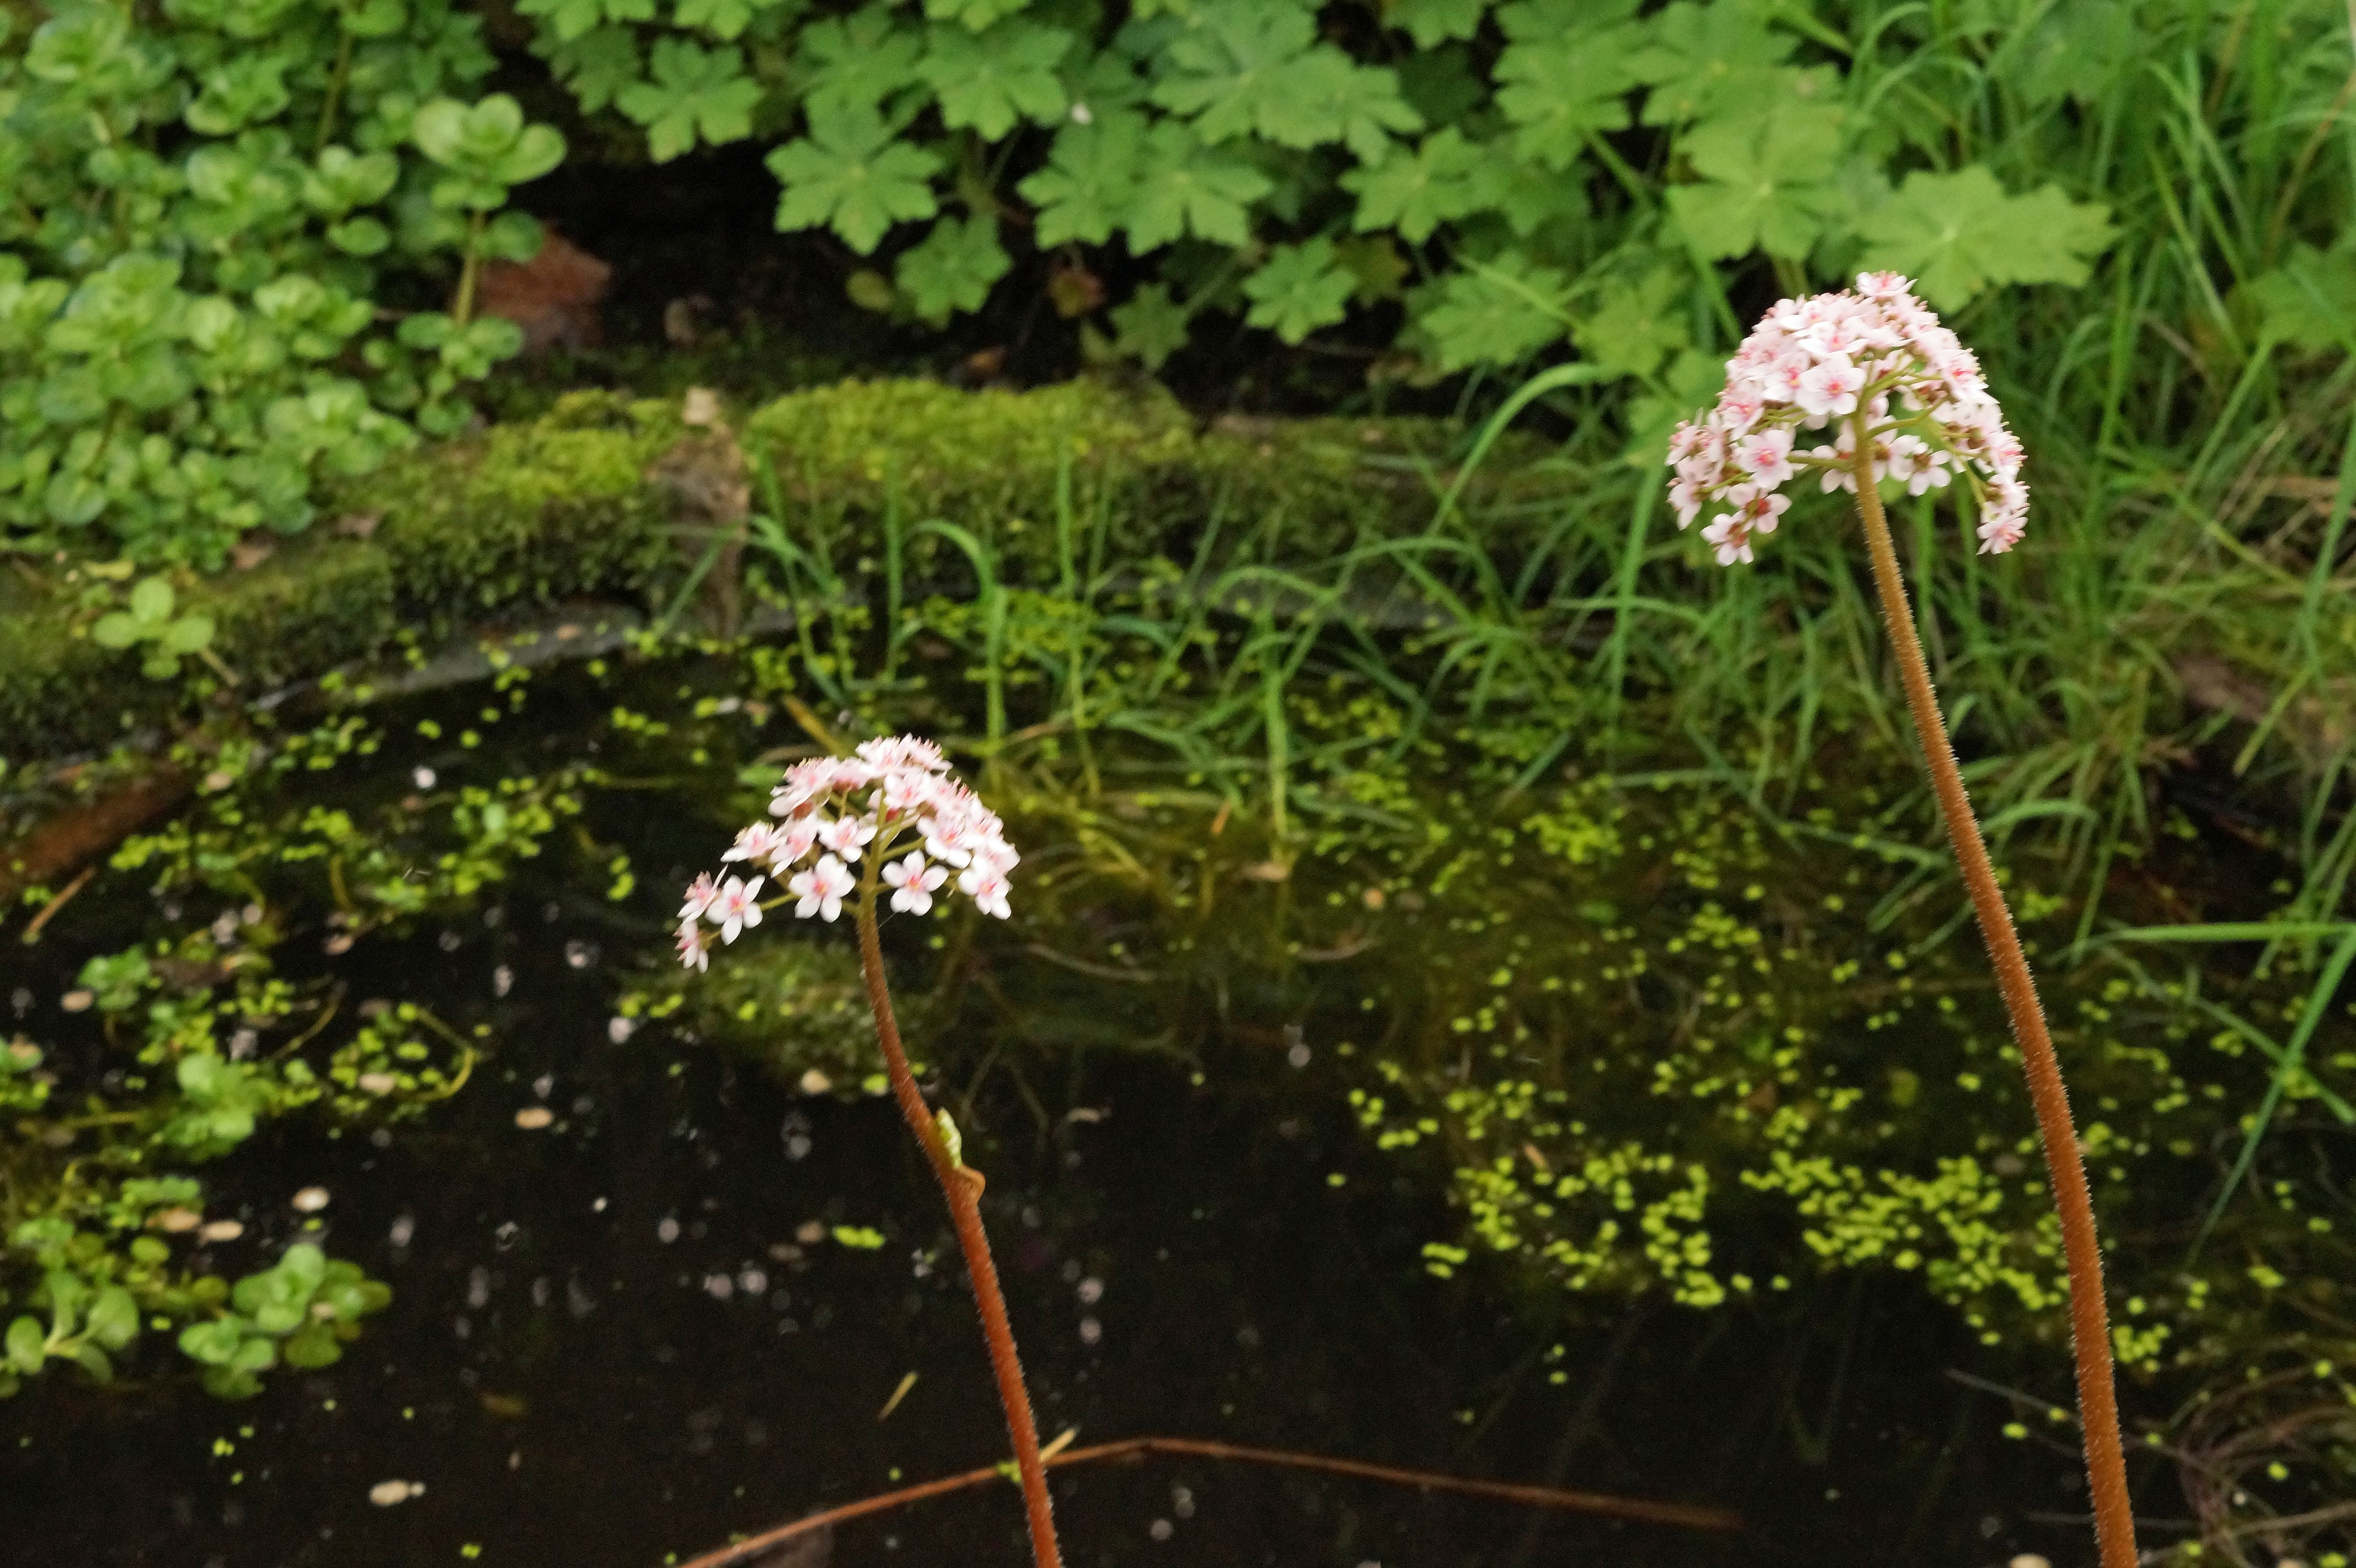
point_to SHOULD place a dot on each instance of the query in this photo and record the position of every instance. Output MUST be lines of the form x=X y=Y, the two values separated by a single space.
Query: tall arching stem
x=2090 y=1335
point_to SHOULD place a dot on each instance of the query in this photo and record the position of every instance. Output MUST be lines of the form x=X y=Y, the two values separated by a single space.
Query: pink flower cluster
x=1928 y=413
x=833 y=811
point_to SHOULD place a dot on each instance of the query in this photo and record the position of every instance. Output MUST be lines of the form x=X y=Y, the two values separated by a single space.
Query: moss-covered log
x=565 y=506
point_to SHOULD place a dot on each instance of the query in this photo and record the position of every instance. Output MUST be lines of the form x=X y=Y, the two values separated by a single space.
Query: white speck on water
x=543 y=1084
x=811 y=1232
x=478 y=1287
x=224 y=927
x=1295 y=1049
x=251 y=914
x=668 y=1231
x=448 y=940
x=1091 y=1291
x=582 y=1105
x=797 y=1146
x=1182 y=1502
x=422 y=778
x=1090 y=1331
x=502 y=980
x=577 y=1300
x=2037 y=1560
x=378 y=1082
x=504 y=1237
x=539 y=1291
x=403 y=1229
x=579 y=955
x=310 y=1201
x=1161 y=1530
x=241 y=1044
x=221 y=1231
x=385 y=1494
x=619 y=1030
x=721 y=1286
x=598 y=1207
x=531 y=1118
x=21 y=1000
x=752 y=1281
x=78 y=1001
x=816 y=1082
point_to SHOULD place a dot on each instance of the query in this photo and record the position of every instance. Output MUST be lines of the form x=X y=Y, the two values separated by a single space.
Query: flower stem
x=961 y=1185
x=2089 y=1334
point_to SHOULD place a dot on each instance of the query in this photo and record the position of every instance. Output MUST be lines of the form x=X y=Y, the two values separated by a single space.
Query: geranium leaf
x=851 y=175
x=1298 y=289
x=1956 y=234
x=993 y=81
x=694 y=90
x=953 y=268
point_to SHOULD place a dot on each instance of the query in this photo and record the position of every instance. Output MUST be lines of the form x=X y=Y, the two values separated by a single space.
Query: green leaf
x=1183 y=188
x=854 y=62
x=723 y=19
x=1704 y=61
x=597 y=65
x=2308 y=301
x=953 y=268
x=1150 y=325
x=993 y=81
x=94 y=1362
x=694 y=90
x=1254 y=68
x=1432 y=23
x=852 y=176
x=215 y=1343
x=312 y=1346
x=1636 y=324
x=975 y=15
x=1089 y=181
x=113 y=1319
x=151 y=600
x=116 y=630
x=1956 y=234
x=1298 y=289
x=1500 y=312
x=27 y=1345
x=185 y=635
x=568 y=19
x=1416 y=192
x=1768 y=180
x=1560 y=90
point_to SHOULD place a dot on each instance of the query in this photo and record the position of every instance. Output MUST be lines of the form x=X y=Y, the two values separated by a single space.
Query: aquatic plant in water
x=1907 y=405
x=835 y=812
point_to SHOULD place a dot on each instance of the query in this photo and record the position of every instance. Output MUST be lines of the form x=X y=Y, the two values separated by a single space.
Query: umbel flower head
x=1816 y=361
x=894 y=800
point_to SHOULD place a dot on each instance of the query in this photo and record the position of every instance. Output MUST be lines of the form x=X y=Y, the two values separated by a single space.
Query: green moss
x=563 y=506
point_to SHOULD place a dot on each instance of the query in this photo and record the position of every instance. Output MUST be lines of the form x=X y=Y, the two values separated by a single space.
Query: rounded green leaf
x=27 y=1345
x=116 y=631
x=113 y=1319
x=214 y=1342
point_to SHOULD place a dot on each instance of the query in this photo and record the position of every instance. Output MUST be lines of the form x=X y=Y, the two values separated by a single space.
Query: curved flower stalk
x=1905 y=403
x=889 y=822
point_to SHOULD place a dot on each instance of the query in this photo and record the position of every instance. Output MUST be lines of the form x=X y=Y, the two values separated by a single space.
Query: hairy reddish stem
x=963 y=1185
x=2089 y=1334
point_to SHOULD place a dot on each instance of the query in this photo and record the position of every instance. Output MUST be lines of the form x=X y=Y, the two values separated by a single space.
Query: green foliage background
x=222 y=209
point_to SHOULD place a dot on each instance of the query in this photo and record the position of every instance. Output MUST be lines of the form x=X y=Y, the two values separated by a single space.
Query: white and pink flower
x=822 y=888
x=913 y=882
x=735 y=907
x=1877 y=355
x=895 y=801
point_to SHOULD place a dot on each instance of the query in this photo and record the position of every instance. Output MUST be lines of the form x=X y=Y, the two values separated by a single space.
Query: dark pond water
x=620 y=1339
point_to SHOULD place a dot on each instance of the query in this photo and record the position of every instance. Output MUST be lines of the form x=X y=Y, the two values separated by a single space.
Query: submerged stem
x=2090 y=1335
x=962 y=1187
